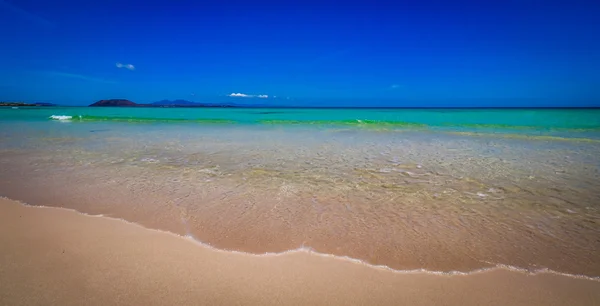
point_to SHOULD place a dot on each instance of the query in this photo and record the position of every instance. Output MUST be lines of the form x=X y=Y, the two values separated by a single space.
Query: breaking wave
x=61 y=117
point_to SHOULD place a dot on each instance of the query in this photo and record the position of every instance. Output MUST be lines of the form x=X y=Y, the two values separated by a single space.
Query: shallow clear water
x=434 y=189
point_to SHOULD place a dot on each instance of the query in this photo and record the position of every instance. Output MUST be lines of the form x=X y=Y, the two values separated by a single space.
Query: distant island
x=25 y=104
x=115 y=102
x=162 y=103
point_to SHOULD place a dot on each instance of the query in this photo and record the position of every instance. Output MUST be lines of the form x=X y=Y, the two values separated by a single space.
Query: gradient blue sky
x=402 y=53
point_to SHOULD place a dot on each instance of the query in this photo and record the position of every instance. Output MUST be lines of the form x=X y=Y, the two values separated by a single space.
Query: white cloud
x=395 y=86
x=239 y=95
x=126 y=66
x=242 y=95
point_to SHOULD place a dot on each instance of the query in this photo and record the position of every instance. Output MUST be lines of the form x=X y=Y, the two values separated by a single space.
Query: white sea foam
x=150 y=160
x=61 y=117
x=310 y=251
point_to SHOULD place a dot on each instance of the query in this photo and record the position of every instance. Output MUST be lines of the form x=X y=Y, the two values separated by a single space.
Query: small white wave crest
x=61 y=117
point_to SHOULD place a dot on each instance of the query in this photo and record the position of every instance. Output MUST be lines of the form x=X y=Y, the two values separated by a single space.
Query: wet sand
x=407 y=200
x=61 y=257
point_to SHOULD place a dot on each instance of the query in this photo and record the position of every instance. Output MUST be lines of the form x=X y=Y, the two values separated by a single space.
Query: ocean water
x=434 y=189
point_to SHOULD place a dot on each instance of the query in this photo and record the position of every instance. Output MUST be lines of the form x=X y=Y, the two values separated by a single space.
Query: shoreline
x=312 y=252
x=121 y=207
x=97 y=249
x=406 y=202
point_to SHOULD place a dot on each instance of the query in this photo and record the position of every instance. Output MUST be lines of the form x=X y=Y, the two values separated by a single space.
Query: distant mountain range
x=185 y=103
x=164 y=103
x=178 y=102
x=25 y=104
x=115 y=102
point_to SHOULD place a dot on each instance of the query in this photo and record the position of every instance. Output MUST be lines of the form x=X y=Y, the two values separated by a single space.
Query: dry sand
x=51 y=256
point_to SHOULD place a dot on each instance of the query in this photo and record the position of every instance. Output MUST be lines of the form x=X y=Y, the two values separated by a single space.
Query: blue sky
x=402 y=53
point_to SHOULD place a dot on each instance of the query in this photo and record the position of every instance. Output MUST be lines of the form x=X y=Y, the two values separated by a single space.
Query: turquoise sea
x=532 y=119
x=435 y=189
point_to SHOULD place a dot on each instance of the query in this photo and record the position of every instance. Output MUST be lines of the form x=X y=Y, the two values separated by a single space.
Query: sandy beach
x=53 y=256
x=286 y=153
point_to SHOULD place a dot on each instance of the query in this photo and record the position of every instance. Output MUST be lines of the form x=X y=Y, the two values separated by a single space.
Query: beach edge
x=60 y=256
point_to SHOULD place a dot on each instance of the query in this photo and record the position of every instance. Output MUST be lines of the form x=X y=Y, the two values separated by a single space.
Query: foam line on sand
x=310 y=251
x=60 y=256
